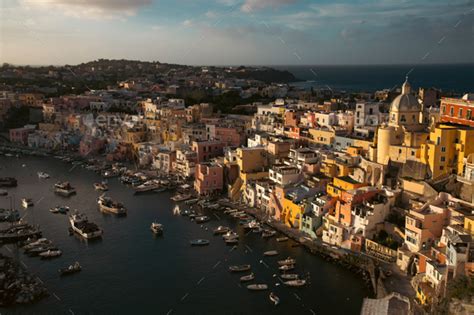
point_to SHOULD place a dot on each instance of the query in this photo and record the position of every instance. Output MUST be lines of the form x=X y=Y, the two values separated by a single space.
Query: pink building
x=229 y=136
x=207 y=150
x=20 y=135
x=209 y=178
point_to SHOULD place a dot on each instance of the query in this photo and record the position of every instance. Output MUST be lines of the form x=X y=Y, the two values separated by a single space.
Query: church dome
x=405 y=101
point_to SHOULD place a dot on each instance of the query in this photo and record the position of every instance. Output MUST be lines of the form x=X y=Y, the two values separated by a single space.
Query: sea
x=130 y=271
x=453 y=78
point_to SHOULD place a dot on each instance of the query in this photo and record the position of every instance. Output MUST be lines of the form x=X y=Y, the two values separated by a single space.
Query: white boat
x=221 y=230
x=246 y=278
x=176 y=210
x=268 y=233
x=274 y=298
x=270 y=253
x=288 y=261
x=106 y=204
x=27 y=202
x=181 y=197
x=257 y=287
x=50 y=253
x=148 y=186
x=157 y=228
x=101 y=186
x=282 y=239
x=83 y=227
x=295 y=283
x=286 y=267
x=290 y=276
x=43 y=175
x=239 y=268
x=64 y=188
x=59 y=209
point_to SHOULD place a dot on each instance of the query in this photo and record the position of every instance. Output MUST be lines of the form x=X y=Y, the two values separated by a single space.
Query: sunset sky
x=270 y=32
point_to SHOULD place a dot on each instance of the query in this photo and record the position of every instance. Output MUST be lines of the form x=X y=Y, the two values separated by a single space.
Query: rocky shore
x=17 y=286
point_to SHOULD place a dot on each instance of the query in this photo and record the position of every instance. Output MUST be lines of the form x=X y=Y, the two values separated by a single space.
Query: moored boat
x=295 y=283
x=239 y=268
x=157 y=228
x=221 y=230
x=268 y=233
x=147 y=186
x=282 y=239
x=106 y=204
x=101 y=186
x=51 y=253
x=181 y=197
x=59 y=209
x=289 y=276
x=81 y=225
x=286 y=267
x=257 y=287
x=288 y=261
x=202 y=219
x=199 y=242
x=3 y=192
x=76 y=267
x=8 y=182
x=27 y=202
x=270 y=253
x=274 y=298
x=247 y=278
x=64 y=189
x=43 y=175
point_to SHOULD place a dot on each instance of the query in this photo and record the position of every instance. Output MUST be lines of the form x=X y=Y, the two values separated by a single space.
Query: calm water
x=458 y=78
x=130 y=270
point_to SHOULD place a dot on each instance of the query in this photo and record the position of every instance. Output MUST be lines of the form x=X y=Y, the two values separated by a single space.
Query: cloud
x=254 y=5
x=89 y=9
x=188 y=23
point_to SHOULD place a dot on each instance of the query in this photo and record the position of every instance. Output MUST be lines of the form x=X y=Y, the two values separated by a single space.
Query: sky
x=237 y=32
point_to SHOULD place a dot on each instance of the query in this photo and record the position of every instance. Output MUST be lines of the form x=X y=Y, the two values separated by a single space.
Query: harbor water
x=131 y=271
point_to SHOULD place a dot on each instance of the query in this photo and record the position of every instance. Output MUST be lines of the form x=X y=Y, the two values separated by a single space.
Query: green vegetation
x=224 y=102
x=17 y=117
x=383 y=238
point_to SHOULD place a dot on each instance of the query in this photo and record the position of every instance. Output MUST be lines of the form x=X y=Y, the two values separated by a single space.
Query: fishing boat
x=64 y=189
x=157 y=228
x=257 y=287
x=27 y=202
x=147 y=186
x=42 y=242
x=221 y=229
x=101 y=186
x=239 y=268
x=199 y=242
x=191 y=201
x=35 y=251
x=295 y=283
x=286 y=267
x=282 y=239
x=50 y=254
x=270 y=253
x=247 y=278
x=202 y=219
x=43 y=175
x=76 y=267
x=81 y=225
x=289 y=276
x=268 y=233
x=59 y=209
x=288 y=261
x=181 y=197
x=274 y=298
x=106 y=204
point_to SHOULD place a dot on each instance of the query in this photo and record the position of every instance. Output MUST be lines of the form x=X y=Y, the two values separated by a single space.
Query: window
x=403 y=119
x=451 y=111
x=443 y=159
x=443 y=109
x=443 y=149
x=469 y=114
x=460 y=113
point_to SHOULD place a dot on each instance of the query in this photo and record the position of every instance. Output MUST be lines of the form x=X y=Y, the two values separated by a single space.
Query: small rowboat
x=239 y=268
x=289 y=276
x=286 y=267
x=199 y=242
x=288 y=261
x=257 y=287
x=282 y=239
x=274 y=298
x=295 y=283
x=246 y=278
x=270 y=253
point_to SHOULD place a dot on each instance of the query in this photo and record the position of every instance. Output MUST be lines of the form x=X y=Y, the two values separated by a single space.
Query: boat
x=43 y=175
x=27 y=202
x=288 y=261
x=101 y=186
x=221 y=229
x=76 y=267
x=3 y=192
x=191 y=201
x=295 y=283
x=106 y=204
x=232 y=241
x=147 y=186
x=230 y=235
x=247 y=278
x=274 y=298
x=286 y=267
x=181 y=197
x=59 y=209
x=110 y=173
x=81 y=225
x=289 y=276
x=239 y=268
x=282 y=239
x=268 y=233
x=50 y=253
x=157 y=228
x=64 y=189
x=199 y=242
x=202 y=219
x=257 y=229
x=8 y=182
x=38 y=243
x=37 y=250
x=270 y=253
x=257 y=287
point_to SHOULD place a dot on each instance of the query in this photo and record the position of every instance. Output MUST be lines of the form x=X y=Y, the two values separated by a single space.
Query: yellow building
x=252 y=160
x=447 y=148
x=341 y=184
x=292 y=212
x=469 y=224
x=322 y=136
